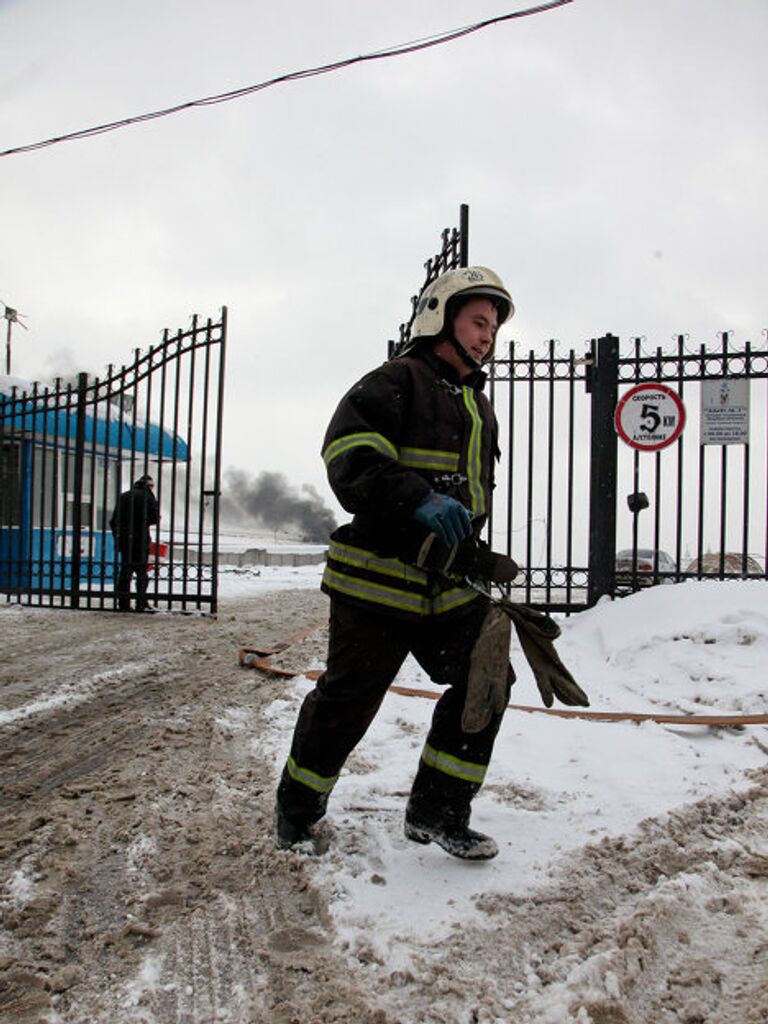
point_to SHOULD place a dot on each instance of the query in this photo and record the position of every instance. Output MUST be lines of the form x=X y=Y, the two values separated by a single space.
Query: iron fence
x=539 y=508
x=453 y=253
x=571 y=495
x=68 y=451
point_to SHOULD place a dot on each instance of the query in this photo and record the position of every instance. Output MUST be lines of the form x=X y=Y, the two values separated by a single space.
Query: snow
x=620 y=878
x=72 y=693
x=20 y=887
x=254 y=579
x=146 y=980
x=283 y=542
x=554 y=784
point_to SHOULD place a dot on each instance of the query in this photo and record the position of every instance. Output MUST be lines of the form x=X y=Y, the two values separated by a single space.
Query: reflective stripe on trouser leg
x=309 y=778
x=365 y=651
x=302 y=793
x=466 y=771
x=453 y=763
x=445 y=782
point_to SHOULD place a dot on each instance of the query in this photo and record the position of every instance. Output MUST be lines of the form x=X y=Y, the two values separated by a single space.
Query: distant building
x=47 y=445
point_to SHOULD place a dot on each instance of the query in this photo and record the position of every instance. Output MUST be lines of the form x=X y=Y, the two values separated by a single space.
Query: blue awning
x=108 y=437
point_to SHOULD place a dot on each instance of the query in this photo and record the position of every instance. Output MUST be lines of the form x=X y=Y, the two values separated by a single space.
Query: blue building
x=64 y=459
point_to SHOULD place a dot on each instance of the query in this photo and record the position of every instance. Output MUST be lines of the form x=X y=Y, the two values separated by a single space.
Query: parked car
x=733 y=563
x=649 y=562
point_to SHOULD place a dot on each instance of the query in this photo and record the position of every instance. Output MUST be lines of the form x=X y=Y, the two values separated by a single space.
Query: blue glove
x=446 y=517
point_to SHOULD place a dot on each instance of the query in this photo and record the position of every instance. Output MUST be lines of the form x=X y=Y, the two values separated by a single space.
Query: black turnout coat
x=407 y=428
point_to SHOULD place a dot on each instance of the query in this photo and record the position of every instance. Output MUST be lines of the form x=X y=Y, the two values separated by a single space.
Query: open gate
x=68 y=451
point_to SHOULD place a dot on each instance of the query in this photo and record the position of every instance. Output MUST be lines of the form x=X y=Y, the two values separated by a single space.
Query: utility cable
x=396 y=51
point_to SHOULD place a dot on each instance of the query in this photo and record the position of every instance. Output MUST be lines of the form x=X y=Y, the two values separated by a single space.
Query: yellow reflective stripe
x=474 y=469
x=369 y=440
x=430 y=458
x=416 y=458
x=319 y=783
x=391 y=597
x=453 y=766
x=450 y=599
x=378 y=592
x=363 y=559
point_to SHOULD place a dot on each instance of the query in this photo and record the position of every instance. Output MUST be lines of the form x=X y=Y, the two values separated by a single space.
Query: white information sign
x=650 y=417
x=725 y=411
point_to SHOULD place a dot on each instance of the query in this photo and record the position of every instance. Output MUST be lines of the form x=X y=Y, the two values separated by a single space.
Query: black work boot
x=290 y=833
x=449 y=828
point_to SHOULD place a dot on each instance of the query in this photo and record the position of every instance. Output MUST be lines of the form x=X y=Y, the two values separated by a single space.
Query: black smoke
x=268 y=499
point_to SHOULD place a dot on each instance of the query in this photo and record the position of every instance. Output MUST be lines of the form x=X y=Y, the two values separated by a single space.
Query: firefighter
x=410 y=454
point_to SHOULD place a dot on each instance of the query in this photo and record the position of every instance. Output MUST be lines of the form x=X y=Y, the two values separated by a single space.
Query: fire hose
x=259 y=658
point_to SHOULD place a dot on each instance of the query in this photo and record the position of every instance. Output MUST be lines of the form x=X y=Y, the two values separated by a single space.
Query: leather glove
x=490 y=674
x=465 y=561
x=477 y=563
x=536 y=631
x=444 y=516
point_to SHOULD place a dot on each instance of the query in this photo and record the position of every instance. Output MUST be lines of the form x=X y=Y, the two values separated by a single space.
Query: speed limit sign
x=650 y=417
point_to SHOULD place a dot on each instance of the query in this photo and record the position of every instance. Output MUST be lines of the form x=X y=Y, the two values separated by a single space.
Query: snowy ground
x=139 y=882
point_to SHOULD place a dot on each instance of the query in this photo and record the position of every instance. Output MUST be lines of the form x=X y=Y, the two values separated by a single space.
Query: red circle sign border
x=650 y=386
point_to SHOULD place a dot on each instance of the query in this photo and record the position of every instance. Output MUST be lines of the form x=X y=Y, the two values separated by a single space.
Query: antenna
x=12 y=316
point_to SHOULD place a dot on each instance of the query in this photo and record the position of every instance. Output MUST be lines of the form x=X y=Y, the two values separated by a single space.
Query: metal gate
x=540 y=506
x=68 y=451
x=570 y=496
x=573 y=496
x=453 y=253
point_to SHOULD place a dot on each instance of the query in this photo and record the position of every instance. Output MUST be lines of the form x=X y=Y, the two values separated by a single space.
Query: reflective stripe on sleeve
x=318 y=783
x=430 y=458
x=453 y=766
x=454 y=598
x=368 y=440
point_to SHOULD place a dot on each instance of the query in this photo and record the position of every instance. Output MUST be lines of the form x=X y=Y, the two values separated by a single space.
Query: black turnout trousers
x=365 y=651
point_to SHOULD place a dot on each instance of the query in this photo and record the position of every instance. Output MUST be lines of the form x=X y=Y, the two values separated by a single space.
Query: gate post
x=464 y=235
x=77 y=487
x=603 y=386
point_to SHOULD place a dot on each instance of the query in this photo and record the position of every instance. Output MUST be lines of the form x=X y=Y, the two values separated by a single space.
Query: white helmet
x=433 y=310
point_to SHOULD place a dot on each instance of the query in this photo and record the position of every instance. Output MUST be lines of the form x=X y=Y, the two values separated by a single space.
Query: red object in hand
x=157 y=552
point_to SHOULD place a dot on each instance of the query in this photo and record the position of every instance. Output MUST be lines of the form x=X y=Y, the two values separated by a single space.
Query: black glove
x=465 y=561
x=476 y=563
x=536 y=632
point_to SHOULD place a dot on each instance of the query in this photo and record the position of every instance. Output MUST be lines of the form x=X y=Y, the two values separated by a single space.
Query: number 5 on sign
x=650 y=417
x=650 y=420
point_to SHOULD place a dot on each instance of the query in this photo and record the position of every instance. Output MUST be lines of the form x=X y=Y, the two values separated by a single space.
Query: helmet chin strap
x=462 y=353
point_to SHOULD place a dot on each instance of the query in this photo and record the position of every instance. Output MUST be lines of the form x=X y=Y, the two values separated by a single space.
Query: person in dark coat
x=410 y=453
x=135 y=512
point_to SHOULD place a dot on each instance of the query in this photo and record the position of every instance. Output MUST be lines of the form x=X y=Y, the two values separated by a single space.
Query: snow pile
x=253 y=579
x=555 y=785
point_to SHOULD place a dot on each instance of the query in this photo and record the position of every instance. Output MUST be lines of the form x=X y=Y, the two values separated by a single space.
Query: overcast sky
x=613 y=154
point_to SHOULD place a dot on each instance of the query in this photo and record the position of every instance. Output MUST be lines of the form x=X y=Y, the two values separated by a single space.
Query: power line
x=293 y=76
